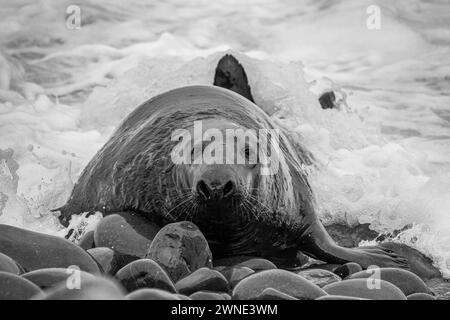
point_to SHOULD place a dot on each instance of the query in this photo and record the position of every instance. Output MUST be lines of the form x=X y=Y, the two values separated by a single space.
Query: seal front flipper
x=231 y=75
x=317 y=243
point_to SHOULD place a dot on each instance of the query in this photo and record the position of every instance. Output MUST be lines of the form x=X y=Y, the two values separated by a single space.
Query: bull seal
x=239 y=210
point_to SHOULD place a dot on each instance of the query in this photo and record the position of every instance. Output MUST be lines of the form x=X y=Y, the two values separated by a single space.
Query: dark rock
x=87 y=240
x=201 y=280
x=50 y=277
x=257 y=264
x=152 y=294
x=236 y=274
x=347 y=269
x=144 y=273
x=273 y=294
x=407 y=281
x=281 y=280
x=328 y=100
x=9 y=265
x=109 y=260
x=319 y=277
x=33 y=250
x=349 y=237
x=419 y=264
x=14 y=287
x=420 y=296
x=334 y=297
x=180 y=248
x=95 y=289
x=209 y=295
x=126 y=233
x=361 y=288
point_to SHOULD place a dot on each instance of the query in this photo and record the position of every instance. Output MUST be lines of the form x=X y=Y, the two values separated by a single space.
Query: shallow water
x=383 y=159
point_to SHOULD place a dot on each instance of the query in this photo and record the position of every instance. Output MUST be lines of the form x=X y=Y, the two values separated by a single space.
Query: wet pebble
x=258 y=264
x=87 y=240
x=14 y=287
x=281 y=280
x=201 y=280
x=7 y=264
x=209 y=295
x=152 y=294
x=50 y=277
x=273 y=294
x=97 y=288
x=180 y=248
x=362 y=288
x=420 y=296
x=319 y=277
x=33 y=250
x=235 y=274
x=407 y=281
x=144 y=273
x=126 y=233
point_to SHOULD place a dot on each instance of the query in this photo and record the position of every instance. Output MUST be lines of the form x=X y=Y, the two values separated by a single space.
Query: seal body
x=239 y=210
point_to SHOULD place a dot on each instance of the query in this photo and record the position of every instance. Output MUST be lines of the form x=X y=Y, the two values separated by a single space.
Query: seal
x=258 y=208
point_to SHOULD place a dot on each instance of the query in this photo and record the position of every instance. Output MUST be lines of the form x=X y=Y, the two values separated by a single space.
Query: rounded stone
x=257 y=264
x=420 y=296
x=362 y=288
x=335 y=297
x=180 y=248
x=144 y=273
x=126 y=233
x=273 y=294
x=281 y=280
x=202 y=279
x=319 y=277
x=51 y=277
x=152 y=294
x=109 y=260
x=235 y=274
x=14 y=287
x=209 y=295
x=87 y=240
x=7 y=264
x=98 y=288
x=33 y=250
x=407 y=281
x=347 y=269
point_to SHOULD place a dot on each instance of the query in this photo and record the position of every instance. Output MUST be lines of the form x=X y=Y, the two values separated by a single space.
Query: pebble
x=361 y=288
x=201 y=280
x=273 y=294
x=319 y=277
x=98 y=288
x=407 y=281
x=33 y=250
x=281 y=280
x=50 y=277
x=209 y=295
x=180 y=248
x=9 y=265
x=126 y=233
x=152 y=294
x=257 y=264
x=14 y=287
x=87 y=240
x=144 y=273
x=420 y=296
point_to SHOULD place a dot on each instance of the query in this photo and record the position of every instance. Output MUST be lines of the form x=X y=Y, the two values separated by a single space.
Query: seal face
x=243 y=207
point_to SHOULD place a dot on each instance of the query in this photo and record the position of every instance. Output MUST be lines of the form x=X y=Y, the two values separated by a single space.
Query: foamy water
x=383 y=158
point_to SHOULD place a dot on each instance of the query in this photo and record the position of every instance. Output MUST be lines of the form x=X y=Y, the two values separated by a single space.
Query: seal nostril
x=203 y=189
x=228 y=189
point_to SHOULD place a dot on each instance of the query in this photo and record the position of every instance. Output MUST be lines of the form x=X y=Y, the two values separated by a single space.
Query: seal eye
x=249 y=158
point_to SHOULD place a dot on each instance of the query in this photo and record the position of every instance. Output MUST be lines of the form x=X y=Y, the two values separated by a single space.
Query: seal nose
x=215 y=190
